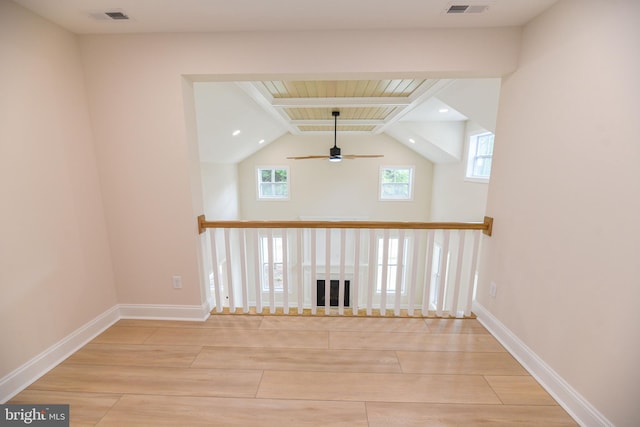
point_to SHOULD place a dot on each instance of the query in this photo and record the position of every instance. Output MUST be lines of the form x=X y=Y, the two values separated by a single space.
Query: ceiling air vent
x=466 y=8
x=111 y=15
x=457 y=8
x=116 y=15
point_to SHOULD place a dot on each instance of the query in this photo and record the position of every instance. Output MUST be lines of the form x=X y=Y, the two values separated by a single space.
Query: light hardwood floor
x=235 y=370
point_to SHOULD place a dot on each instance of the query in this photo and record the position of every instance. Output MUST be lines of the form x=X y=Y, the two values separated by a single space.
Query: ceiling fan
x=334 y=153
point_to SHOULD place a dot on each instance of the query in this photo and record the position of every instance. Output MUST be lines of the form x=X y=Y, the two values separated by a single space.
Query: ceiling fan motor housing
x=334 y=152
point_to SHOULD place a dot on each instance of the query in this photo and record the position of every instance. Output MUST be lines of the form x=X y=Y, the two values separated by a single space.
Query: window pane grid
x=482 y=166
x=273 y=183
x=395 y=183
x=390 y=191
x=480 y=156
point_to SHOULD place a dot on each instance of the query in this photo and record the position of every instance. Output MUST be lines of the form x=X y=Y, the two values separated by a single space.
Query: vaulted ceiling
x=236 y=119
x=409 y=110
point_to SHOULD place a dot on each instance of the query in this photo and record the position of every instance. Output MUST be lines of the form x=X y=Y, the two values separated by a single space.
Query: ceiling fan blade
x=344 y=156
x=307 y=157
x=361 y=156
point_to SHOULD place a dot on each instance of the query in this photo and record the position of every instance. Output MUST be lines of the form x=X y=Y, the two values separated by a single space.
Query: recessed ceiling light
x=411 y=140
x=236 y=132
x=443 y=110
x=261 y=141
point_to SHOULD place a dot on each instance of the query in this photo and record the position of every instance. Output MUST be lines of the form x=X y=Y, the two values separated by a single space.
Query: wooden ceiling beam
x=394 y=101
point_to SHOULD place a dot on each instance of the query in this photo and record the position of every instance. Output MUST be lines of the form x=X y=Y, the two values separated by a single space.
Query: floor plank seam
x=362 y=369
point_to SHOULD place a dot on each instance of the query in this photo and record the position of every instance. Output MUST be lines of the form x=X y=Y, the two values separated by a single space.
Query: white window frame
x=259 y=183
x=472 y=156
x=381 y=185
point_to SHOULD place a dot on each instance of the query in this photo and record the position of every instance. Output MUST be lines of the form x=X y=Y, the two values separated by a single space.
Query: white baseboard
x=198 y=313
x=19 y=379
x=577 y=406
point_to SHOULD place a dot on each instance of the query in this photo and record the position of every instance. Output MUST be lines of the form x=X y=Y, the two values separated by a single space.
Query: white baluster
x=459 y=262
x=399 y=272
x=414 y=270
x=341 y=284
x=257 y=269
x=314 y=292
x=285 y=271
x=355 y=284
x=227 y=251
x=272 y=294
x=243 y=270
x=300 y=282
x=443 y=273
x=216 y=274
x=385 y=273
x=372 y=270
x=327 y=269
x=426 y=296
x=472 y=272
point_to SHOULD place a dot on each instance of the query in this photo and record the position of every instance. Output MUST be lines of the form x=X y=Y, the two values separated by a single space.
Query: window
x=396 y=183
x=480 y=154
x=273 y=183
x=392 y=264
x=278 y=256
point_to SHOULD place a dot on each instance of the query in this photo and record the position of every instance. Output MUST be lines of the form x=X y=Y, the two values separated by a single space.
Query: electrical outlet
x=177 y=282
x=493 y=289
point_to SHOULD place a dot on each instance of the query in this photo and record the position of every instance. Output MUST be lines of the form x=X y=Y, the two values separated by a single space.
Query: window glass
x=480 y=156
x=273 y=183
x=396 y=183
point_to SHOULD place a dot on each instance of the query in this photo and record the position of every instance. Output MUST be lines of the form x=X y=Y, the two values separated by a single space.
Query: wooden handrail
x=486 y=226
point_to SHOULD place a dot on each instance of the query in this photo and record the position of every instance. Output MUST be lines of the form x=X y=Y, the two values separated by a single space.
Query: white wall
x=565 y=195
x=55 y=267
x=454 y=198
x=216 y=107
x=444 y=137
x=349 y=189
x=144 y=142
x=220 y=191
x=567 y=285
x=475 y=98
x=149 y=168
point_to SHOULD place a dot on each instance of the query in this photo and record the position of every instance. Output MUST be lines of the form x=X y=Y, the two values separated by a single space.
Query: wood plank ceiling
x=365 y=105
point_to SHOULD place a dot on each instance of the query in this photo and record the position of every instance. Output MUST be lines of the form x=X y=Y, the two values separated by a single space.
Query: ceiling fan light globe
x=335 y=159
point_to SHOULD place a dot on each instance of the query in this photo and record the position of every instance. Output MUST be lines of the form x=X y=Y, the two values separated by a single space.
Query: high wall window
x=480 y=156
x=396 y=182
x=273 y=183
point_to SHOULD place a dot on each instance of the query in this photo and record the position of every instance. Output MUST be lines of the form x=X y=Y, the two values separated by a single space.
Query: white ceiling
x=430 y=127
x=222 y=108
x=87 y=16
